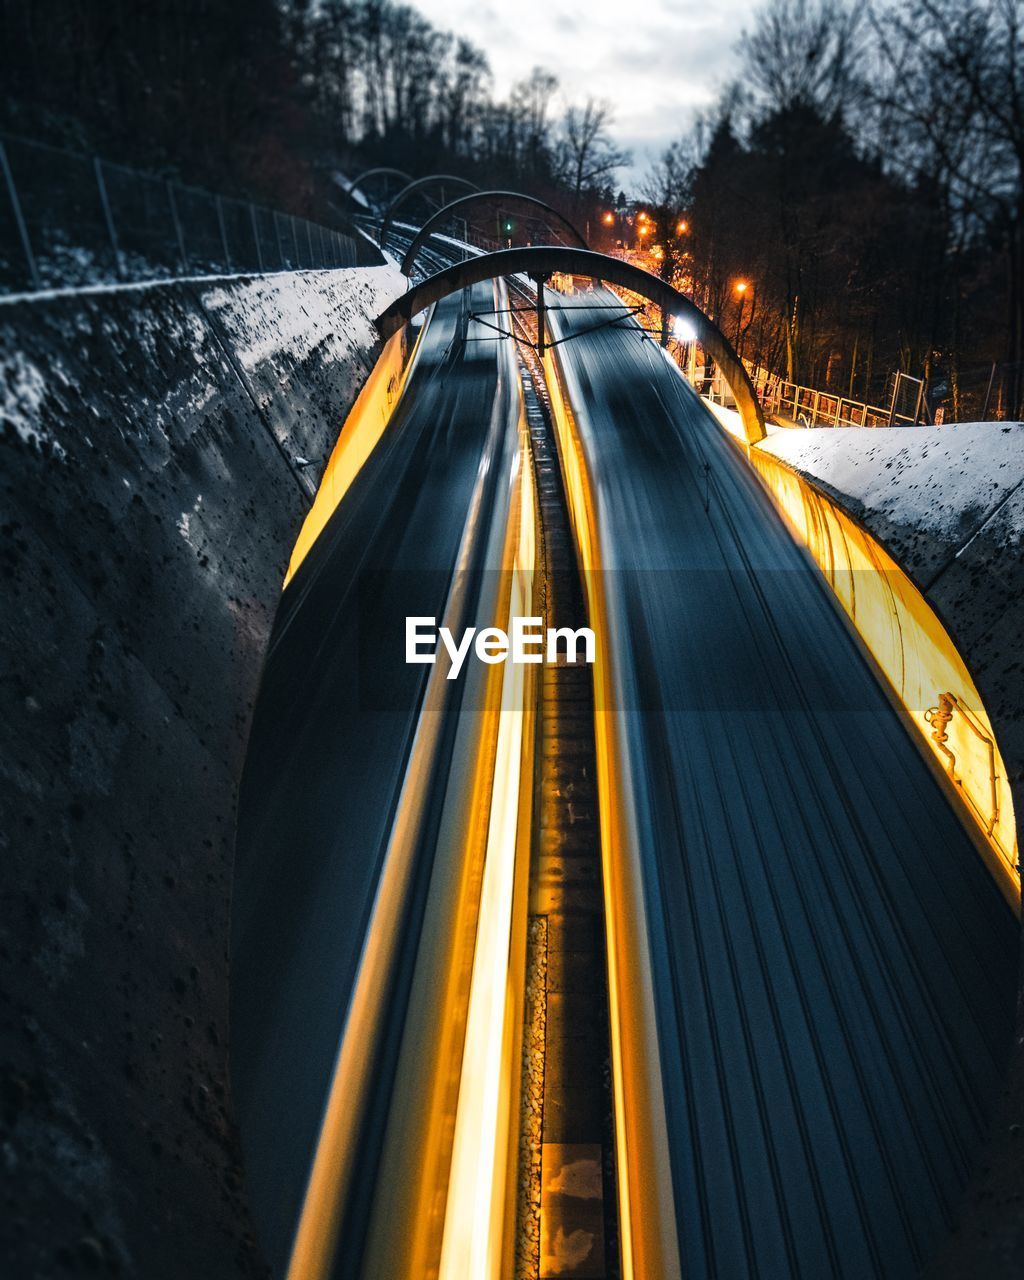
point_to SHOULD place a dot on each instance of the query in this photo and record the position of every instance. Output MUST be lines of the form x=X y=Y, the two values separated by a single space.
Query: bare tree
x=805 y=53
x=590 y=158
x=951 y=108
x=530 y=106
x=464 y=96
x=667 y=190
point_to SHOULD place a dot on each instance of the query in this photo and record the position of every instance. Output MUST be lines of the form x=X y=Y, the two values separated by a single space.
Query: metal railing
x=807 y=406
x=69 y=220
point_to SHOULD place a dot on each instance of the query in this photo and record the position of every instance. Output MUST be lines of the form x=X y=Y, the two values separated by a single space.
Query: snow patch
x=306 y=309
x=22 y=392
x=943 y=482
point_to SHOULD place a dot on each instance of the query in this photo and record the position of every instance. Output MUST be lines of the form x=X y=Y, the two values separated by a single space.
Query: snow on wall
x=948 y=505
x=152 y=483
x=923 y=491
x=290 y=340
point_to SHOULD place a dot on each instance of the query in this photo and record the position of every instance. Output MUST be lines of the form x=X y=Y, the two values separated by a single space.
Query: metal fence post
x=988 y=392
x=895 y=395
x=256 y=236
x=19 y=219
x=177 y=227
x=223 y=231
x=919 y=402
x=111 y=229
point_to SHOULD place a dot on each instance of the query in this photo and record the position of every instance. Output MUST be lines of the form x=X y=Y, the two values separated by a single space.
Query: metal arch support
x=357 y=183
x=540 y=279
x=545 y=261
x=478 y=197
x=432 y=179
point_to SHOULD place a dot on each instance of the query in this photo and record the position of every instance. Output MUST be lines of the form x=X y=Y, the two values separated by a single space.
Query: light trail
x=334 y=1167
x=917 y=660
x=915 y=655
x=366 y=423
x=475 y=1231
x=645 y=1199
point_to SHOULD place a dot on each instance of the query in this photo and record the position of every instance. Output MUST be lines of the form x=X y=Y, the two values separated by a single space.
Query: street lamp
x=682 y=226
x=740 y=287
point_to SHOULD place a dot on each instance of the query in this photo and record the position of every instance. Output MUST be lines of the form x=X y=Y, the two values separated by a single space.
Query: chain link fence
x=70 y=220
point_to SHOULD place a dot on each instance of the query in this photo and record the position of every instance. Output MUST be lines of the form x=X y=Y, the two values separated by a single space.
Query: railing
x=71 y=220
x=809 y=407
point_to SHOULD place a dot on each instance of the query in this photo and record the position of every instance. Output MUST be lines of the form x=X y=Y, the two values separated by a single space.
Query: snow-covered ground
x=923 y=491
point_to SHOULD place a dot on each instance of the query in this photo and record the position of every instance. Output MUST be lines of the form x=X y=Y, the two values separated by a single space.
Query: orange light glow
x=366 y=423
x=741 y=286
x=682 y=226
x=912 y=649
x=477 y=1189
x=646 y=1209
x=608 y=219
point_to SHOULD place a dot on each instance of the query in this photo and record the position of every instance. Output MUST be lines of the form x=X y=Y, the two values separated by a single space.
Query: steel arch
x=357 y=182
x=542 y=262
x=410 y=190
x=474 y=197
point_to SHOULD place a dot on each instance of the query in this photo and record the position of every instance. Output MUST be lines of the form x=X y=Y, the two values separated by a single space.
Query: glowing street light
x=741 y=287
x=682 y=226
x=609 y=219
x=684 y=330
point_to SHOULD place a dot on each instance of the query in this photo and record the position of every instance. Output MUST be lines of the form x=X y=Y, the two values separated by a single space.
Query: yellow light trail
x=366 y=422
x=335 y=1162
x=917 y=658
x=647 y=1230
x=475 y=1228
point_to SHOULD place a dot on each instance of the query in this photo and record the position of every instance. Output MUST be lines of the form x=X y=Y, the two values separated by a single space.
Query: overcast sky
x=656 y=60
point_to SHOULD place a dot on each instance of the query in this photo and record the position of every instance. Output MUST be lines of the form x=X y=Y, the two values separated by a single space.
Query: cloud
x=657 y=66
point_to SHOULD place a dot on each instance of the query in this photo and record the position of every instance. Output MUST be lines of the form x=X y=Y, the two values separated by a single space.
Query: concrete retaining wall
x=152 y=483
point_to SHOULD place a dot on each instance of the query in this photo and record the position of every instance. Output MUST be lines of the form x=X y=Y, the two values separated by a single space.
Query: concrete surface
x=151 y=487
